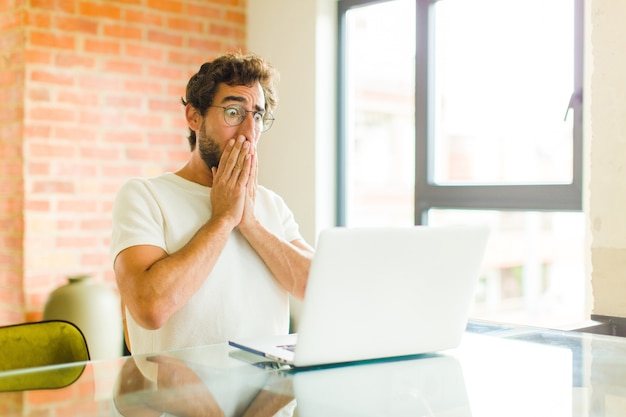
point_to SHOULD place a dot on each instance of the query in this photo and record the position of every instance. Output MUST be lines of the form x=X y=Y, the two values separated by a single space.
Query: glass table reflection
x=498 y=370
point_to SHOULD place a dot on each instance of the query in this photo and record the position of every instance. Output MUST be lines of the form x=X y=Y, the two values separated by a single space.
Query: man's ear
x=194 y=119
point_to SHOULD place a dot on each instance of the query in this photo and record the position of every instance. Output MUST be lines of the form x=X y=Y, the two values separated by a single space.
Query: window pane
x=534 y=267
x=503 y=80
x=380 y=131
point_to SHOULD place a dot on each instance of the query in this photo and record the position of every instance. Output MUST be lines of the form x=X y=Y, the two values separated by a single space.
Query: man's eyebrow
x=241 y=99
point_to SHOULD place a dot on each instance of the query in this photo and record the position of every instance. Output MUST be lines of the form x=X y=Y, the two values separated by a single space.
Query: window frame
x=428 y=194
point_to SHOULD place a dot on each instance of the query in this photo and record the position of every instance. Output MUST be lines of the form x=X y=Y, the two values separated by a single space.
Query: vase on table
x=95 y=309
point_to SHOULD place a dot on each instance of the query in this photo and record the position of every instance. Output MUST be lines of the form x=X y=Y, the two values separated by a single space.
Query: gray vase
x=95 y=309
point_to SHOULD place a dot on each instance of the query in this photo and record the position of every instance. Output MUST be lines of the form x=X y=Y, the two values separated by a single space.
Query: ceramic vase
x=95 y=309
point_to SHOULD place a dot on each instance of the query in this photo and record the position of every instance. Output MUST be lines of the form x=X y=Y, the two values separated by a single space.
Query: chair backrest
x=40 y=344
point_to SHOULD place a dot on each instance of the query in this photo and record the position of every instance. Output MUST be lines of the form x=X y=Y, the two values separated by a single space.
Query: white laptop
x=382 y=292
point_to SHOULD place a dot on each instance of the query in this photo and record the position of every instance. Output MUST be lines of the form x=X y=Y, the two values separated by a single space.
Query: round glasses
x=235 y=114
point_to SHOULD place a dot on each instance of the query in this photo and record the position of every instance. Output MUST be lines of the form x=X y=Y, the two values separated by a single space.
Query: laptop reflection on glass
x=381 y=293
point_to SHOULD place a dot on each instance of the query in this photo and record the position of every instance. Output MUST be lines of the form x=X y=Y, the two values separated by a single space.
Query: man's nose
x=248 y=129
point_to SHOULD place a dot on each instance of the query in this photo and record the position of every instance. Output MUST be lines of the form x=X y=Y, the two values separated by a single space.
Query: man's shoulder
x=165 y=180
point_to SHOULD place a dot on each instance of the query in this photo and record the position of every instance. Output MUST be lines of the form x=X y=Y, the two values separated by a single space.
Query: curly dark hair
x=231 y=69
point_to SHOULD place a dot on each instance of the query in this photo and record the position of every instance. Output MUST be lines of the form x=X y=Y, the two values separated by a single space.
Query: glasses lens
x=234 y=115
x=268 y=120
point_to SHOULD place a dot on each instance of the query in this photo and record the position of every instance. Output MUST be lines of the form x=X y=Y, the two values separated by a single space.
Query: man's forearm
x=289 y=262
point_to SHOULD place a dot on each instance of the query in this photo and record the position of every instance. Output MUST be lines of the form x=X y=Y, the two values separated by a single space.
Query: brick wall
x=94 y=89
x=11 y=182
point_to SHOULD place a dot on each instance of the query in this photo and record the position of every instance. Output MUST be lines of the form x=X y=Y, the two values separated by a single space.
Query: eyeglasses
x=235 y=114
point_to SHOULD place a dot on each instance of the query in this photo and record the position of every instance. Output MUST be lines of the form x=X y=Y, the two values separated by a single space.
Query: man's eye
x=231 y=112
x=258 y=117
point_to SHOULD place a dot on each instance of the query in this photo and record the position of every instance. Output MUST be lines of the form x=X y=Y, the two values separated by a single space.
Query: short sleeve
x=137 y=218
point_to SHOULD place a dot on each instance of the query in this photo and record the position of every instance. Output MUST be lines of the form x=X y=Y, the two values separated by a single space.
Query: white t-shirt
x=240 y=297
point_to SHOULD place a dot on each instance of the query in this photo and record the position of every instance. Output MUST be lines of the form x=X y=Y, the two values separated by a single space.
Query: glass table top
x=498 y=370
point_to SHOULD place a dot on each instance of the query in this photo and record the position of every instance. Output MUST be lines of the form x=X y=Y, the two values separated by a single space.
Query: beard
x=210 y=151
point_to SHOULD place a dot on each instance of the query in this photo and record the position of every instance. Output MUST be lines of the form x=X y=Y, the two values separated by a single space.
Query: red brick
x=38 y=94
x=143 y=87
x=11 y=295
x=79 y=98
x=50 y=151
x=166 y=72
x=74 y=241
x=169 y=6
x=76 y=170
x=148 y=121
x=66 y=6
x=52 y=40
x=11 y=20
x=76 y=24
x=127 y=2
x=236 y=17
x=229 y=32
x=102 y=118
x=12 y=97
x=75 y=133
x=13 y=40
x=204 y=11
x=10 y=115
x=228 y=2
x=77 y=206
x=101 y=154
x=11 y=169
x=165 y=105
x=73 y=60
x=186 y=25
x=39 y=20
x=187 y=58
x=12 y=279
x=123 y=67
x=122 y=171
x=10 y=151
x=52 y=77
x=123 y=101
x=35 y=56
x=203 y=44
x=11 y=205
x=95 y=224
x=144 y=51
x=99 y=9
x=52 y=114
x=38 y=205
x=54 y=187
x=37 y=131
x=102 y=47
x=123 y=32
x=11 y=134
x=124 y=137
x=165 y=38
x=38 y=168
x=141 y=154
x=143 y=17
x=98 y=259
x=100 y=82
x=14 y=59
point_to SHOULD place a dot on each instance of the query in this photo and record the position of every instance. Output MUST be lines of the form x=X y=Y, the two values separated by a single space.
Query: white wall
x=607 y=159
x=297 y=156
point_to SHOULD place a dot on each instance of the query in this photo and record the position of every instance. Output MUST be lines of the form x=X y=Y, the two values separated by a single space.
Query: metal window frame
x=428 y=195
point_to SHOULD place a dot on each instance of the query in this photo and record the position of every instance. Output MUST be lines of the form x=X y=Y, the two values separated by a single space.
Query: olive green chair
x=38 y=345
